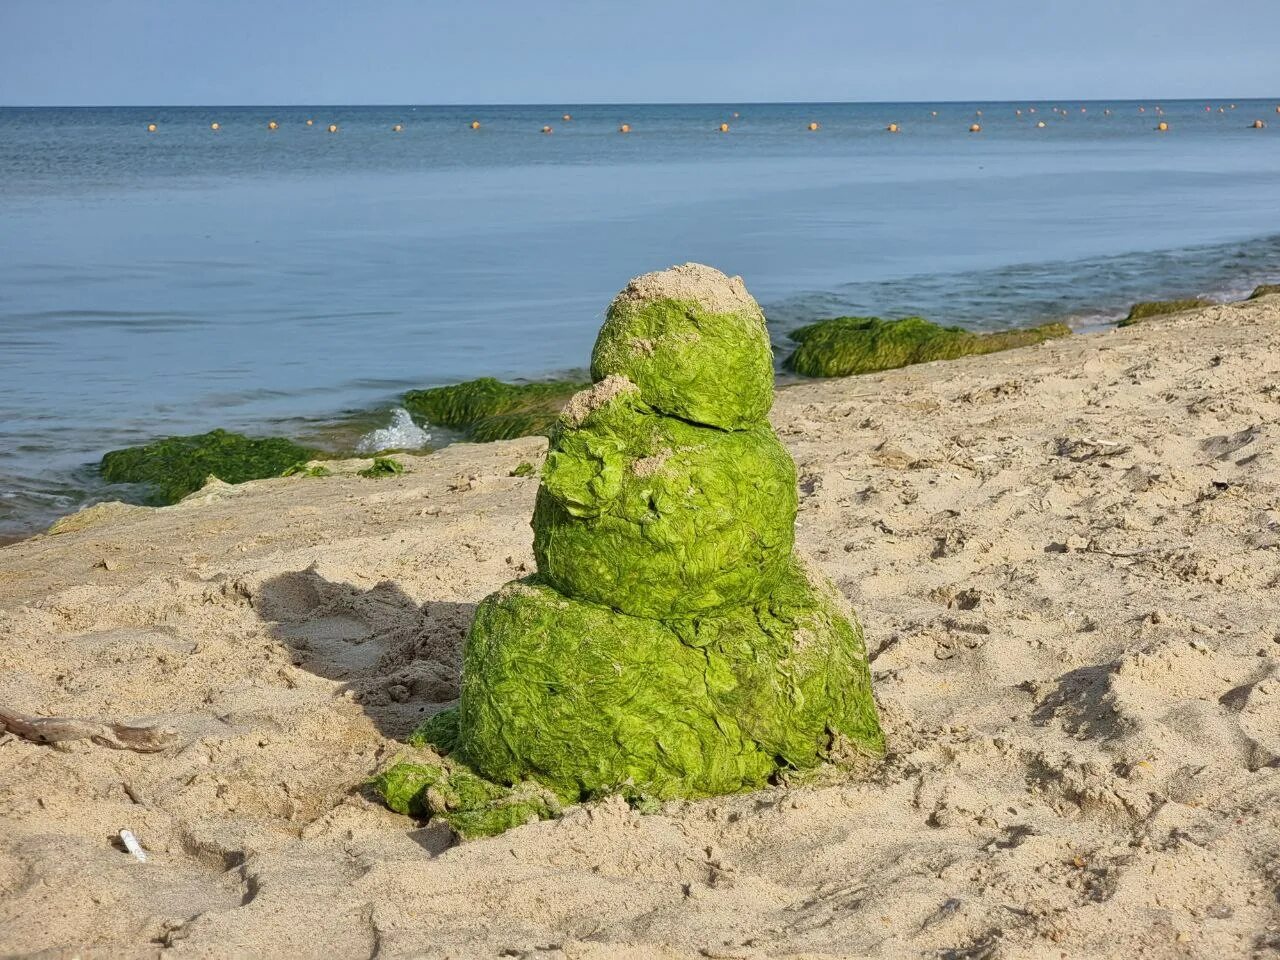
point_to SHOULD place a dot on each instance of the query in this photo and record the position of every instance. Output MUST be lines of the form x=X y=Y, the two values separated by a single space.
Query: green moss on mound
x=1265 y=290
x=695 y=344
x=177 y=466
x=851 y=345
x=488 y=409
x=1145 y=309
x=588 y=701
x=657 y=517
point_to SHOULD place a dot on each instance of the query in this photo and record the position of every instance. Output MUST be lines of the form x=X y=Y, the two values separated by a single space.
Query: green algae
x=671 y=644
x=487 y=409
x=846 y=346
x=178 y=466
x=305 y=469
x=382 y=467
x=644 y=513
x=690 y=363
x=589 y=701
x=1265 y=290
x=708 y=366
x=1146 y=309
x=523 y=469
x=471 y=805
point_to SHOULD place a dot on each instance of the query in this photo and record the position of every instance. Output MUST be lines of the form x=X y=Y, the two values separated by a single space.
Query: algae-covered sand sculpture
x=671 y=644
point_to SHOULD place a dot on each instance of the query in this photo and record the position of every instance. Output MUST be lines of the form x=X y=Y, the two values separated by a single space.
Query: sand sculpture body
x=671 y=644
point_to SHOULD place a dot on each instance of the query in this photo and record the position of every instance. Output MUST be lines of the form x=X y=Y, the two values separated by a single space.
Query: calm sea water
x=294 y=281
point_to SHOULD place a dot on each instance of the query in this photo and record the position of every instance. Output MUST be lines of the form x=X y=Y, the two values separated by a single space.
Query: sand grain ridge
x=1066 y=558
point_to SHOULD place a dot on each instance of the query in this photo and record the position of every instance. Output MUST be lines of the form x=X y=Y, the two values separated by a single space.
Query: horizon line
x=560 y=104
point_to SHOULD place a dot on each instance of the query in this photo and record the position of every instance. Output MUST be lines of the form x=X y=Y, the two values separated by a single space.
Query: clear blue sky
x=574 y=51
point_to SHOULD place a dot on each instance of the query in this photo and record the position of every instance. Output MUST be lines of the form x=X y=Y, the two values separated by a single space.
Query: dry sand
x=1067 y=560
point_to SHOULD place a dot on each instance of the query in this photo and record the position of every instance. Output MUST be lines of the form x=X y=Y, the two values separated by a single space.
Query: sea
x=293 y=270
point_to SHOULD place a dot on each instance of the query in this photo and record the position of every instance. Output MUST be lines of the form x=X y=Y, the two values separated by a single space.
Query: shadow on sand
x=400 y=659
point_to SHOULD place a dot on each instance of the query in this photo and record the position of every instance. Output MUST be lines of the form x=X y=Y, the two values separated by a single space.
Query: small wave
x=401 y=434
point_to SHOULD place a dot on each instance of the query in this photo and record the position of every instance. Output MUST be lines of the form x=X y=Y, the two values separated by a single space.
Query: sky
x=276 y=52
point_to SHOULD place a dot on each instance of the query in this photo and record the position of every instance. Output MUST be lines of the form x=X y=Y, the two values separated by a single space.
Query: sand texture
x=1067 y=560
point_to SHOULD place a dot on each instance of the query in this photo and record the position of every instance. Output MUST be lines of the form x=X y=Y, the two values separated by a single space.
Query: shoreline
x=340 y=435
x=1065 y=558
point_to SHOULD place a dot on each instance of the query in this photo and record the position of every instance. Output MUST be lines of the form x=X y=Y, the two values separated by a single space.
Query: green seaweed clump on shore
x=382 y=467
x=671 y=645
x=1265 y=290
x=178 y=466
x=1146 y=309
x=487 y=409
x=846 y=346
x=473 y=806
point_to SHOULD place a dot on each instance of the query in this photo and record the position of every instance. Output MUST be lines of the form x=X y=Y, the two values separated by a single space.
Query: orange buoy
x=333 y=128
x=813 y=125
x=724 y=128
x=475 y=124
x=397 y=128
x=566 y=118
x=1162 y=126
x=1258 y=124
x=1040 y=123
x=272 y=125
x=975 y=128
x=151 y=128
x=892 y=128
x=624 y=128
x=214 y=126
x=310 y=122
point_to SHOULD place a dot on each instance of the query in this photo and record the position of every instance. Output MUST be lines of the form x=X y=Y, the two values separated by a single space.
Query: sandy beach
x=1066 y=558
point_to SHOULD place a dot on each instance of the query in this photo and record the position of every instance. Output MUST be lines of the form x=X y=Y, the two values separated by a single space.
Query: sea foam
x=401 y=434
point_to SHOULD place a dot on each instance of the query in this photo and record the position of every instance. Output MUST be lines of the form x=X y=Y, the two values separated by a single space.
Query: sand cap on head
x=694 y=341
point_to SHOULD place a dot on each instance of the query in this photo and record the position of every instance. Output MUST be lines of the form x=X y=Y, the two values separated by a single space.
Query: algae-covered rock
x=846 y=346
x=588 y=701
x=1146 y=309
x=658 y=517
x=694 y=342
x=671 y=643
x=1265 y=290
x=177 y=466
x=488 y=409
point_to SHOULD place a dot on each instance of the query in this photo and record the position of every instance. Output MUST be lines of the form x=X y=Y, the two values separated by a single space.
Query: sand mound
x=1067 y=560
x=705 y=285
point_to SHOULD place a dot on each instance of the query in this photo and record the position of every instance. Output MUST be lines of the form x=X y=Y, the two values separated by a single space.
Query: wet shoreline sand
x=1065 y=557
